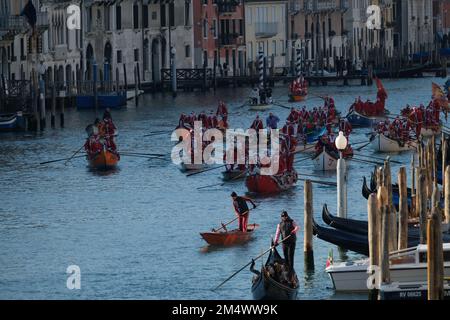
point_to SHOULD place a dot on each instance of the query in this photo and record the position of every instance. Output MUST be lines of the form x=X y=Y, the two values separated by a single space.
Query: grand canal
x=134 y=232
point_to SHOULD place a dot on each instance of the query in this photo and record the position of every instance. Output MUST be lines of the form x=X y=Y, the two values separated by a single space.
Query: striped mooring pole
x=261 y=69
x=298 y=63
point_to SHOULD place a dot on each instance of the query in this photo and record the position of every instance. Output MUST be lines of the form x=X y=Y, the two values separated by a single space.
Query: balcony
x=266 y=29
x=17 y=24
x=227 y=6
x=231 y=39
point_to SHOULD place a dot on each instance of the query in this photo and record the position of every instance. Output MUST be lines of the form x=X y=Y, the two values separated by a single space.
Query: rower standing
x=287 y=228
x=242 y=210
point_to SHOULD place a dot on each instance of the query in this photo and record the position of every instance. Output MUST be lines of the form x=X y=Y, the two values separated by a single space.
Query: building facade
x=266 y=30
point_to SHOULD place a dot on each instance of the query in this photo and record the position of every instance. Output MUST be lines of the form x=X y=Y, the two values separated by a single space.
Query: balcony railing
x=19 y=24
x=231 y=39
x=266 y=29
x=227 y=6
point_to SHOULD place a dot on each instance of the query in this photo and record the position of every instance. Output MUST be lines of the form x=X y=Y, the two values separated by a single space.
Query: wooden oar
x=362 y=147
x=326 y=183
x=157 y=133
x=302 y=159
x=65 y=163
x=376 y=158
x=280 y=105
x=226 y=224
x=205 y=170
x=223 y=183
x=254 y=259
x=58 y=160
x=367 y=161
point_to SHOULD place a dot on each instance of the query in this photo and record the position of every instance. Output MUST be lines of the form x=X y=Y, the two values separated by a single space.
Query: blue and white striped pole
x=261 y=69
x=298 y=63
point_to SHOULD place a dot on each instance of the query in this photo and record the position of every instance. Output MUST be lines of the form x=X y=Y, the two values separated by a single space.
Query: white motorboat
x=408 y=265
x=410 y=290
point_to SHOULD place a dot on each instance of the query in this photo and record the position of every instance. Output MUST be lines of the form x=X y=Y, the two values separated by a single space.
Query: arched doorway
x=163 y=53
x=107 y=61
x=156 y=67
x=89 y=61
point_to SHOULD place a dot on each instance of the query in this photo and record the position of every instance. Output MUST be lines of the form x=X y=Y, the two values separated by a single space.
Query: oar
x=65 y=163
x=377 y=158
x=262 y=254
x=362 y=147
x=310 y=175
x=145 y=154
x=58 y=160
x=223 y=183
x=206 y=170
x=157 y=133
x=326 y=183
x=302 y=159
x=367 y=162
x=309 y=148
x=226 y=224
x=280 y=105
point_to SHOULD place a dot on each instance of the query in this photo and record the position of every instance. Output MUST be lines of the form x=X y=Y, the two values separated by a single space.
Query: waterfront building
x=266 y=30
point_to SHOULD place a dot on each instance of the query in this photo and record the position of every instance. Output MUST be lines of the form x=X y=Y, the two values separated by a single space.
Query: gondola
x=266 y=184
x=265 y=287
x=358 y=242
x=350 y=241
x=104 y=160
x=229 y=238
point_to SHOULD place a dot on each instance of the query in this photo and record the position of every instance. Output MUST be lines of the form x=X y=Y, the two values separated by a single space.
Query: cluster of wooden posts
x=385 y=235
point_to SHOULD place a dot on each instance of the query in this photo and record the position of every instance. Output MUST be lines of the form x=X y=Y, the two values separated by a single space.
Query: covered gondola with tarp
x=272 y=285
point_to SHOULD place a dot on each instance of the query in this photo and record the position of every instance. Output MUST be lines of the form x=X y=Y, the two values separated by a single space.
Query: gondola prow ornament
x=341 y=143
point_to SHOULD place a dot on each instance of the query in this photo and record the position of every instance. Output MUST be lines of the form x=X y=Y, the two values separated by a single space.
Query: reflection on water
x=134 y=232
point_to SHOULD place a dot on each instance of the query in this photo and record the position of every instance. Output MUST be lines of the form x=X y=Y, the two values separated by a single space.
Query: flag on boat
x=381 y=90
x=439 y=96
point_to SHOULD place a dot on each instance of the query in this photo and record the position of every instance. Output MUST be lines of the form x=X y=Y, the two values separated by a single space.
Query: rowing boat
x=229 y=238
x=104 y=160
x=235 y=174
x=265 y=287
x=266 y=184
x=325 y=161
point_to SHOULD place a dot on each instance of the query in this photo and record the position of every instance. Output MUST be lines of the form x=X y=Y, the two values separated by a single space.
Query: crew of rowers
x=101 y=135
x=421 y=117
x=299 y=87
x=398 y=130
x=218 y=120
x=368 y=108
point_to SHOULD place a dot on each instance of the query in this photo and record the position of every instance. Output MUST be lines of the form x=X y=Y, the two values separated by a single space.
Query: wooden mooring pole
x=435 y=257
x=422 y=204
x=53 y=109
x=384 y=248
x=447 y=197
x=403 y=210
x=308 y=219
x=391 y=211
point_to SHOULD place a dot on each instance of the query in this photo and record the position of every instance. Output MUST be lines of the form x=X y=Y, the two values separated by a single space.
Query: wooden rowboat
x=104 y=160
x=297 y=98
x=260 y=107
x=265 y=184
x=325 y=161
x=229 y=238
x=264 y=287
x=381 y=143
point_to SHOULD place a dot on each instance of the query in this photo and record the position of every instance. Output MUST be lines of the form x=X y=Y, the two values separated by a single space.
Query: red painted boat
x=229 y=238
x=265 y=184
x=104 y=160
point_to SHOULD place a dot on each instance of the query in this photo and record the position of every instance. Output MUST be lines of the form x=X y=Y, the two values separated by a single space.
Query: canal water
x=134 y=232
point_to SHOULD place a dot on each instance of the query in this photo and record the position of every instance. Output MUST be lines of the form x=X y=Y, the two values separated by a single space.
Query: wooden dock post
x=435 y=257
x=125 y=81
x=63 y=101
x=373 y=232
x=53 y=112
x=403 y=210
x=391 y=211
x=422 y=205
x=308 y=219
x=385 y=235
x=447 y=197
x=135 y=87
